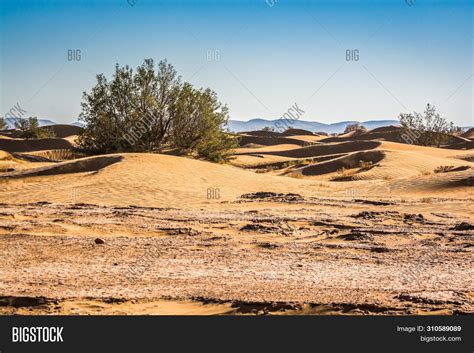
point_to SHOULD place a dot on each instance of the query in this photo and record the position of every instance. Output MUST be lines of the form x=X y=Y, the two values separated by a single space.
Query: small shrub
x=302 y=163
x=343 y=174
x=363 y=165
x=443 y=168
x=342 y=171
x=354 y=127
x=296 y=175
x=429 y=129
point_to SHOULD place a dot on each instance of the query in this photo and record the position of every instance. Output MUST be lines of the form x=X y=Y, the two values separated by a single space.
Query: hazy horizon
x=260 y=57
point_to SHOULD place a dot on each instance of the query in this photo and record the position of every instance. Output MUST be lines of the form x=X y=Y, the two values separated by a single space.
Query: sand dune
x=22 y=145
x=264 y=133
x=386 y=129
x=466 y=145
x=257 y=160
x=170 y=181
x=166 y=181
x=386 y=133
x=392 y=135
x=349 y=161
x=397 y=165
x=269 y=141
x=5 y=156
x=9 y=162
x=319 y=150
x=261 y=148
x=311 y=139
x=365 y=160
x=57 y=155
x=361 y=160
x=64 y=130
x=297 y=132
x=469 y=134
x=353 y=226
x=92 y=164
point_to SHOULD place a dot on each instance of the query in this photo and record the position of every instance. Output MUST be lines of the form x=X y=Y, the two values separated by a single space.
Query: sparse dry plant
x=343 y=174
x=443 y=168
x=366 y=165
x=342 y=171
x=354 y=127
x=429 y=129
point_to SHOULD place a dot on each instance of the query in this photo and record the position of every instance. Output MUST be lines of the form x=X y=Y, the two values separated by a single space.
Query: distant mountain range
x=314 y=126
x=259 y=124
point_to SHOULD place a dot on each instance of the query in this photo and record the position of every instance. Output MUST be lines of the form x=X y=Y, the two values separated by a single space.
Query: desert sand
x=360 y=223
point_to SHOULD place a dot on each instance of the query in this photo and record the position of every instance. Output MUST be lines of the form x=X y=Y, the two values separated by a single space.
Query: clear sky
x=259 y=56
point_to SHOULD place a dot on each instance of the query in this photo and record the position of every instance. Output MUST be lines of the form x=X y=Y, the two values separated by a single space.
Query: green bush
x=152 y=110
x=197 y=124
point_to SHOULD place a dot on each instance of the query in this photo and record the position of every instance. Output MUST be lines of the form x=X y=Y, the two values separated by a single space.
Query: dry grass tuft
x=443 y=168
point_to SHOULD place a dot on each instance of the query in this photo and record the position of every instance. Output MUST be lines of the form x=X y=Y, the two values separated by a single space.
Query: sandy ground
x=158 y=234
x=259 y=254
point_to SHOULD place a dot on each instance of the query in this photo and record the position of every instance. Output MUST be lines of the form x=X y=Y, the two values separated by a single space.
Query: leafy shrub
x=197 y=124
x=151 y=110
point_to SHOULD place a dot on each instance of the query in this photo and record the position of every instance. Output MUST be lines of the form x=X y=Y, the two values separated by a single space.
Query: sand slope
x=272 y=233
x=469 y=134
x=22 y=145
x=269 y=140
x=166 y=181
x=64 y=130
x=170 y=181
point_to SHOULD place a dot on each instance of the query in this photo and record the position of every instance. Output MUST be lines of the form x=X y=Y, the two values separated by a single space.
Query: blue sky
x=259 y=56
